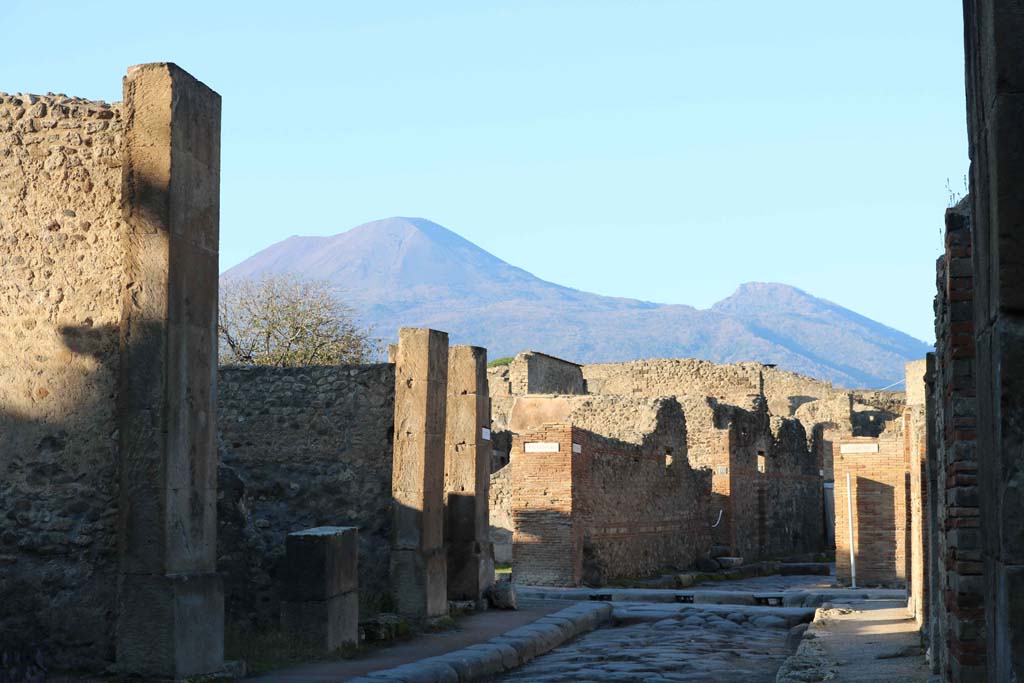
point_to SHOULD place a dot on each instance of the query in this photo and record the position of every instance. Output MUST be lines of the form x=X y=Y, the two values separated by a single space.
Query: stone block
x=470 y=570
x=420 y=407
x=467 y=370
x=418 y=583
x=422 y=355
x=327 y=624
x=321 y=563
x=170 y=626
x=419 y=526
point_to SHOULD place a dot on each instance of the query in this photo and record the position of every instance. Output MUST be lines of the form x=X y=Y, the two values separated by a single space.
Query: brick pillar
x=418 y=573
x=993 y=31
x=171 y=603
x=547 y=542
x=321 y=580
x=467 y=476
x=960 y=622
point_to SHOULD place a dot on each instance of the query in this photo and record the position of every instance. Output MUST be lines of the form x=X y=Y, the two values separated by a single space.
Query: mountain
x=412 y=272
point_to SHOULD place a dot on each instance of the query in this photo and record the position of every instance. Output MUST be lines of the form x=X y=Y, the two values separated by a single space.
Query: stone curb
x=791 y=598
x=809 y=662
x=501 y=653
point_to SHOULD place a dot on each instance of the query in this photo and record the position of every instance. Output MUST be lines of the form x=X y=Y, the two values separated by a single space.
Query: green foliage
x=284 y=321
x=498 y=362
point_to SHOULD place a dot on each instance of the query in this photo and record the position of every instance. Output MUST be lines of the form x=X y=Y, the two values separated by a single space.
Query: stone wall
x=302 y=448
x=501 y=515
x=959 y=620
x=532 y=372
x=915 y=453
x=881 y=525
x=61 y=277
x=730 y=383
x=597 y=507
x=107 y=380
x=995 y=102
x=826 y=412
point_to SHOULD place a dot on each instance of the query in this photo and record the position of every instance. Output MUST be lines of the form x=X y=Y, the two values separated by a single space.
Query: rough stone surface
x=532 y=372
x=500 y=494
x=502 y=595
x=62 y=249
x=168 y=387
x=467 y=475
x=108 y=256
x=995 y=71
x=327 y=624
x=302 y=447
x=418 y=558
x=622 y=502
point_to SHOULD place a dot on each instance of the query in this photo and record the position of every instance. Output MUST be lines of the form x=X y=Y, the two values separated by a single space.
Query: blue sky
x=660 y=150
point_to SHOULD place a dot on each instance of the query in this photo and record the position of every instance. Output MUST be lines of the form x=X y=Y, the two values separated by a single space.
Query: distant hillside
x=412 y=272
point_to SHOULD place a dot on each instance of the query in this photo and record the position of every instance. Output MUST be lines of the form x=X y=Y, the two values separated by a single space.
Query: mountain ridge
x=408 y=271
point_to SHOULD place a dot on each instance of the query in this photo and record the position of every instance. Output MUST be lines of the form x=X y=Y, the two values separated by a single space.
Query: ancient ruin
x=154 y=502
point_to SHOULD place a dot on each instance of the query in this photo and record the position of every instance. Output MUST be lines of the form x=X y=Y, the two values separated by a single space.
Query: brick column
x=961 y=621
x=171 y=606
x=547 y=542
x=467 y=475
x=418 y=572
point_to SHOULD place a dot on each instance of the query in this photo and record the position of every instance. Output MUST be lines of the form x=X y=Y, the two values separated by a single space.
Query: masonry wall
x=626 y=503
x=881 y=532
x=915 y=453
x=61 y=278
x=500 y=494
x=300 y=448
x=995 y=102
x=643 y=508
x=794 y=510
x=547 y=540
x=538 y=373
x=959 y=620
x=731 y=383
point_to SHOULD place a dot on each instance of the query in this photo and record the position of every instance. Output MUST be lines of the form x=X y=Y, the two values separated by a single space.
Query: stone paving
x=686 y=643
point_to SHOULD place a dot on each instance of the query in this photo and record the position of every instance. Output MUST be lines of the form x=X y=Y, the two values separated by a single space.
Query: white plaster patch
x=858 y=448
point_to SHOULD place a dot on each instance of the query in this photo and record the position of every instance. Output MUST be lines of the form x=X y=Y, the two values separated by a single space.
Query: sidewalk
x=470 y=630
x=858 y=642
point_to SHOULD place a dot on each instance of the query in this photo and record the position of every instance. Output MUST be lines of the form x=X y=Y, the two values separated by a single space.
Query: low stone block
x=329 y=623
x=321 y=563
x=730 y=562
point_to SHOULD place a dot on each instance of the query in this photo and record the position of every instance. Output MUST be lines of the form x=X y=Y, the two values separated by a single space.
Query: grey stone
x=502 y=595
x=706 y=564
x=321 y=563
x=328 y=624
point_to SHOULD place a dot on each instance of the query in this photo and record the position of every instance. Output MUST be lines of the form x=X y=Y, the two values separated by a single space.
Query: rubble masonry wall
x=302 y=448
x=61 y=278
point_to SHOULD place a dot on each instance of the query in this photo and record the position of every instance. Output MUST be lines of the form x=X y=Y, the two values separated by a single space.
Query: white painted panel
x=541 y=447
x=858 y=448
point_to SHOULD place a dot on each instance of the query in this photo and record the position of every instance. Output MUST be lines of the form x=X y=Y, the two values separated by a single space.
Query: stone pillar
x=321 y=580
x=170 y=603
x=994 y=59
x=418 y=573
x=467 y=475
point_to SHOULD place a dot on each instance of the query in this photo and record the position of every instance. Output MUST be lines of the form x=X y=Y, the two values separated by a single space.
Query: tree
x=285 y=321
